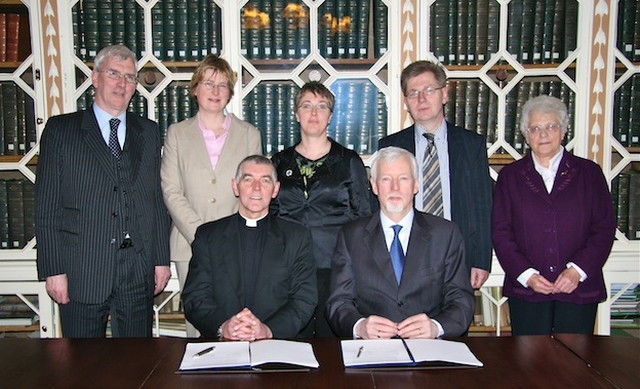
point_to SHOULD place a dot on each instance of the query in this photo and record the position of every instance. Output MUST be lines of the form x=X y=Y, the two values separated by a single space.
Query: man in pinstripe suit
x=101 y=223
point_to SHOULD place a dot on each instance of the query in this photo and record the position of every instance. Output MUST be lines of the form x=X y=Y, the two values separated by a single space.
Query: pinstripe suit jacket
x=78 y=197
x=470 y=188
x=193 y=192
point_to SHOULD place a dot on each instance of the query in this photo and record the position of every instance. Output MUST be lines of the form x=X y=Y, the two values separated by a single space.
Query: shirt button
x=213 y=181
x=212 y=200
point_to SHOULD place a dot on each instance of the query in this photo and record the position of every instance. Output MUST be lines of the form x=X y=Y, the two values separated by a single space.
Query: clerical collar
x=252 y=222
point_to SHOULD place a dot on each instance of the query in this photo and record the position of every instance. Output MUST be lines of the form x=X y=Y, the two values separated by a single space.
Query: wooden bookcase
x=592 y=71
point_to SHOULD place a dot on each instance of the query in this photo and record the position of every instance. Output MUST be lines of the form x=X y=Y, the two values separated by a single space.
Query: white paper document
x=264 y=354
x=406 y=353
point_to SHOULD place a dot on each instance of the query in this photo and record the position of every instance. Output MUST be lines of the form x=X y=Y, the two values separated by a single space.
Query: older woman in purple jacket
x=553 y=226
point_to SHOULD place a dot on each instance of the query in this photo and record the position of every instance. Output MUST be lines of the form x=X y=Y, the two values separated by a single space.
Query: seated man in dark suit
x=252 y=275
x=399 y=272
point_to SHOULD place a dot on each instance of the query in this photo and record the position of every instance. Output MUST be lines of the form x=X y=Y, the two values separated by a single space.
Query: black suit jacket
x=434 y=281
x=285 y=292
x=471 y=187
x=77 y=200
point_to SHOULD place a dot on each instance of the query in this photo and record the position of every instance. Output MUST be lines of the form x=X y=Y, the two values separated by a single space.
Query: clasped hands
x=244 y=325
x=566 y=282
x=417 y=326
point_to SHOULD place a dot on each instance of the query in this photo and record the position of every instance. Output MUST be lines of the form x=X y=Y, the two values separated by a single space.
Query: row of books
x=10 y=36
x=625 y=193
x=629 y=29
x=359 y=116
x=472 y=105
x=625 y=310
x=17 y=120
x=626 y=114
x=14 y=311
x=467 y=32
x=277 y=29
x=17 y=213
x=181 y=30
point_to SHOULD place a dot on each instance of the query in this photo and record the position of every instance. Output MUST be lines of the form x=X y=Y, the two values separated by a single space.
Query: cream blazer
x=193 y=192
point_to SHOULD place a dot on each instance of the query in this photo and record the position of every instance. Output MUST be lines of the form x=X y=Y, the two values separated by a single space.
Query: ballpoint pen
x=204 y=352
x=360 y=351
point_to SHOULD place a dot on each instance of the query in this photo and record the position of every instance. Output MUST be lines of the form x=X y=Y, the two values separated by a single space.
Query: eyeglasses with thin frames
x=414 y=94
x=116 y=75
x=320 y=107
x=210 y=85
x=549 y=128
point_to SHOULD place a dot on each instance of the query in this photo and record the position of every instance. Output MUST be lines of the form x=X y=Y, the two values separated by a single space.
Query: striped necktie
x=431 y=187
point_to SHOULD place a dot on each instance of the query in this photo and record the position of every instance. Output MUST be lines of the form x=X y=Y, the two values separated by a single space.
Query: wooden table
x=528 y=361
x=616 y=358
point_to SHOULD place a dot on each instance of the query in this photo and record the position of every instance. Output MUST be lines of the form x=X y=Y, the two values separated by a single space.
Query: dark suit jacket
x=536 y=229
x=470 y=188
x=434 y=281
x=285 y=292
x=78 y=196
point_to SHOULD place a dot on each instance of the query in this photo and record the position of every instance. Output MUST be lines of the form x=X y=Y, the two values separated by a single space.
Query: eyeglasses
x=209 y=85
x=414 y=94
x=116 y=75
x=308 y=107
x=550 y=128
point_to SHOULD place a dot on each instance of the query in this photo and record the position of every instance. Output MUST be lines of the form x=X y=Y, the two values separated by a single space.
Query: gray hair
x=258 y=160
x=118 y=51
x=546 y=105
x=417 y=68
x=391 y=154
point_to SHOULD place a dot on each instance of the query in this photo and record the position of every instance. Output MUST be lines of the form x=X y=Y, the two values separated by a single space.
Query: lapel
x=134 y=144
x=420 y=241
x=194 y=141
x=566 y=171
x=271 y=258
x=96 y=145
x=378 y=251
x=455 y=149
x=230 y=249
x=408 y=142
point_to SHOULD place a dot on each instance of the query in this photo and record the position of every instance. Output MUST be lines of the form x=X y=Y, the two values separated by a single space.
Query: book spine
x=439 y=43
x=636 y=35
x=481 y=31
x=267 y=32
x=482 y=118
x=570 y=27
x=538 y=31
x=21 y=122
x=281 y=133
x=183 y=31
x=548 y=27
x=527 y=30
x=363 y=29
x=30 y=118
x=291 y=48
x=326 y=30
x=15 y=207
x=523 y=96
x=292 y=123
x=168 y=17
x=622 y=211
x=353 y=29
x=204 y=11
x=128 y=11
x=119 y=25
x=452 y=36
x=10 y=117
x=460 y=103
x=461 y=33
x=215 y=30
x=162 y=111
x=304 y=35
x=366 y=137
x=12 y=36
x=278 y=29
x=634 y=116
x=633 y=223
x=343 y=27
x=557 y=43
x=471 y=105
x=140 y=30
x=265 y=117
x=352 y=114
x=29 y=204
x=472 y=22
x=157 y=36
x=380 y=28
x=105 y=24
x=493 y=28
x=184 y=103
x=5 y=240
x=381 y=122
x=450 y=107
x=515 y=46
x=492 y=119
x=3 y=37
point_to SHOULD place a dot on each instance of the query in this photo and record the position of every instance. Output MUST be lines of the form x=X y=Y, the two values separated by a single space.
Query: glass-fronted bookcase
x=498 y=53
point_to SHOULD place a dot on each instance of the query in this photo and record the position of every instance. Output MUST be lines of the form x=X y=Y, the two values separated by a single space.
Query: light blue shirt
x=440 y=140
x=105 y=128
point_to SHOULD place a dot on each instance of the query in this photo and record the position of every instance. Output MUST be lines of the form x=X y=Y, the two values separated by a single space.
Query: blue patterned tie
x=114 y=145
x=397 y=254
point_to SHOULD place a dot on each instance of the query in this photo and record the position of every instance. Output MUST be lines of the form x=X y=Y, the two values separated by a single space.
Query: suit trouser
x=130 y=304
x=182 y=268
x=549 y=317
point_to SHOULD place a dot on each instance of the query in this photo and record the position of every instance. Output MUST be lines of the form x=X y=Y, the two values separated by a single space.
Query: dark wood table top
x=528 y=361
x=616 y=358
